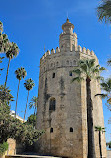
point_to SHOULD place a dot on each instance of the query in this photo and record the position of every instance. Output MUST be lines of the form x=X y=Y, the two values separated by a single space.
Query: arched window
x=51 y=130
x=71 y=129
x=52 y=104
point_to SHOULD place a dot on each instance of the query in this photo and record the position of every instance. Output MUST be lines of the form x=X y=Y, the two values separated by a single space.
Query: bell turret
x=68 y=39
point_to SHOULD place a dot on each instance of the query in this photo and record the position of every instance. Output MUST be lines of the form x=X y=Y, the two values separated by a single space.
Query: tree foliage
x=88 y=70
x=14 y=128
x=29 y=84
x=20 y=73
x=104 y=11
x=3 y=148
x=31 y=120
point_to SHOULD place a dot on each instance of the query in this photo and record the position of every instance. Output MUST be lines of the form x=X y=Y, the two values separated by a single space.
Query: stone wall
x=69 y=119
x=11 y=148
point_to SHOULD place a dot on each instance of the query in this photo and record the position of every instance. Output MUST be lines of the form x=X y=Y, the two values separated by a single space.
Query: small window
x=71 y=129
x=52 y=104
x=51 y=130
x=70 y=73
x=53 y=75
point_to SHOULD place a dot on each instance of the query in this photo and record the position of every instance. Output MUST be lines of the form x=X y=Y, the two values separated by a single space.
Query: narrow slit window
x=71 y=129
x=52 y=104
x=53 y=75
x=51 y=130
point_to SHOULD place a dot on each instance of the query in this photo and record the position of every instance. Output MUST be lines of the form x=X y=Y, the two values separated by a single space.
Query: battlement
x=78 y=49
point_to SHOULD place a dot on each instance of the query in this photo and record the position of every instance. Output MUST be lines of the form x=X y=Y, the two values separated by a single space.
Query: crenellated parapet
x=85 y=51
x=53 y=51
x=77 y=49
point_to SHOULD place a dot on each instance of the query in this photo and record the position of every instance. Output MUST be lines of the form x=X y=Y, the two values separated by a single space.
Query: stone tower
x=62 y=109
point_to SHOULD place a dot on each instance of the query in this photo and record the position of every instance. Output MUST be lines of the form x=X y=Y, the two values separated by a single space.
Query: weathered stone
x=70 y=112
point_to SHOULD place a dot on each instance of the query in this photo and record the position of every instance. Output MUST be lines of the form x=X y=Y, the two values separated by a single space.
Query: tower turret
x=68 y=39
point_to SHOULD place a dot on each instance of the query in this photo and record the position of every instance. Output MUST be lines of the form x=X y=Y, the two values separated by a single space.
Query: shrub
x=3 y=148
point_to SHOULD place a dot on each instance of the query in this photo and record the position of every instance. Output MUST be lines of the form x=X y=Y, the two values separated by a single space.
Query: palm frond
x=20 y=73
x=29 y=84
x=77 y=71
x=106 y=85
x=91 y=63
x=109 y=62
x=78 y=79
x=100 y=78
x=102 y=68
x=109 y=101
x=104 y=11
x=101 y=95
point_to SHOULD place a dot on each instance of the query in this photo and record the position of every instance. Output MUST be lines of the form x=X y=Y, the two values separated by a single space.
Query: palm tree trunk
x=91 y=147
x=34 y=117
x=7 y=71
x=100 y=144
x=26 y=106
x=17 y=99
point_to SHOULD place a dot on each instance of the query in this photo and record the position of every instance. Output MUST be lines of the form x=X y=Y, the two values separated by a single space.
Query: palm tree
x=1 y=58
x=100 y=129
x=33 y=104
x=1 y=26
x=29 y=83
x=13 y=51
x=106 y=86
x=5 y=96
x=4 y=41
x=20 y=73
x=104 y=11
x=109 y=62
x=88 y=70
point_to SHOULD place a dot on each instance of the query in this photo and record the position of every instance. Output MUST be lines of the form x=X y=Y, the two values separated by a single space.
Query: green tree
x=87 y=70
x=11 y=127
x=100 y=129
x=5 y=99
x=106 y=86
x=29 y=84
x=5 y=96
x=4 y=41
x=31 y=120
x=20 y=73
x=33 y=104
x=104 y=11
x=3 y=148
x=12 y=52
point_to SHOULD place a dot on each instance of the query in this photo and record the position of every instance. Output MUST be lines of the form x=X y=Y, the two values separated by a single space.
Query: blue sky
x=33 y=23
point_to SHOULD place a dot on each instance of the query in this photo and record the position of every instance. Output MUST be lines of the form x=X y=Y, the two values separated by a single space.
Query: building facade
x=62 y=109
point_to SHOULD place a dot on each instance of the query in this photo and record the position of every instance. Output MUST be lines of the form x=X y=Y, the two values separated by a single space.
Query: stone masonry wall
x=68 y=138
